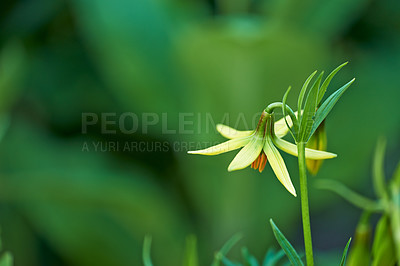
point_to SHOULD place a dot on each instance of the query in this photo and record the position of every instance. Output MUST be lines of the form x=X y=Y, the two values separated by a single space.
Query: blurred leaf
x=272 y=257
x=248 y=258
x=286 y=246
x=378 y=169
x=147 y=251
x=360 y=251
x=12 y=71
x=68 y=190
x=395 y=214
x=190 y=256
x=349 y=195
x=219 y=255
x=383 y=252
x=6 y=259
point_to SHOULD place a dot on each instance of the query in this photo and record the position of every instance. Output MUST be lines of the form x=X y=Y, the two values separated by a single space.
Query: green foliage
x=311 y=115
x=62 y=58
x=359 y=254
x=190 y=256
x=6 y=258
x=291 y=253
x=385 y=249
x=147 y=251
x=221 y=254
x=345 y=251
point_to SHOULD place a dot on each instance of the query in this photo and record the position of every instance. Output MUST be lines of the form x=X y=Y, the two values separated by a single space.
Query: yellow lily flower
x=259 y=146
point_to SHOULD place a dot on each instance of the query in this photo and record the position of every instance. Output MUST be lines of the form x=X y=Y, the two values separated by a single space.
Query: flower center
x=260 y=162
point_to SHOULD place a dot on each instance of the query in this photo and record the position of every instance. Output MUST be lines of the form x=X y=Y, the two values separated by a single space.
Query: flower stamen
x=260 y=162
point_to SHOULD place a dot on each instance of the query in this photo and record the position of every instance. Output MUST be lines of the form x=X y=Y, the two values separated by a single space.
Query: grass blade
x=344 y=256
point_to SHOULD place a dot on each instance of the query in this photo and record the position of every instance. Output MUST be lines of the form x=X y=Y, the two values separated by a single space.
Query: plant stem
x=305 y=213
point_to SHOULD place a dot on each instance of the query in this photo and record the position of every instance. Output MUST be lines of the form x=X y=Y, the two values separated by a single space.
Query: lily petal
x=231 y=133
x=278 y=165
x=281 y=128
x=248 y=154
x=226 y=146
x=310 y=153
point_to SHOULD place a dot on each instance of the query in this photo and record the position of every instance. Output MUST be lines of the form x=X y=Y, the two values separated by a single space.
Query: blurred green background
x=62 y=205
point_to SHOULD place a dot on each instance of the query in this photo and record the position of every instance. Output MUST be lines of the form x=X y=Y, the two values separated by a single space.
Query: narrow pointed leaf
x=303 y=91
x=231 y=133
x=146 y=251
x=310 y=153
x=226 y=146
x=326 y=82
x=272 y=257
x=310 y=106
x=344 y=256
x=291 y=253
x=327 y=106
x=249 y=259
x=285 y=116
x=378 y=169
x=248 y=154
x=278 y=165
x=219 y=255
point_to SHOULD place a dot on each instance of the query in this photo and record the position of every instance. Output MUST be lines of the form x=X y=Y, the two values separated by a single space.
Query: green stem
x=305 y=213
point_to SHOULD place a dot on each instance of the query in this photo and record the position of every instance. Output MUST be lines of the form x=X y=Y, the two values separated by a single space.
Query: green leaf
x=146 y=251
x=395 y=216
x=383 y=250
x=349 y=195
x=360 y=253
x=293 y=133
x=303 y=92
x=6 y=259
x=191 y=257
x=248 y=258
x=343 y=261
x=396 y=176
x=310 y=107
x=291 y=253
x=378 y=169
x=326 y=82
x=327 y=106
x=219 y=255
x=272 y=257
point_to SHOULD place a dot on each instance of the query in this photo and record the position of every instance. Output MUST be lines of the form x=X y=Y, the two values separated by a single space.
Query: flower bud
x=359 y=254
x=317 y=142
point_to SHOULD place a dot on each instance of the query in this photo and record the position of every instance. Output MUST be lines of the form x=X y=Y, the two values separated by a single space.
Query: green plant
x=260 y=145
x=385 y=248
